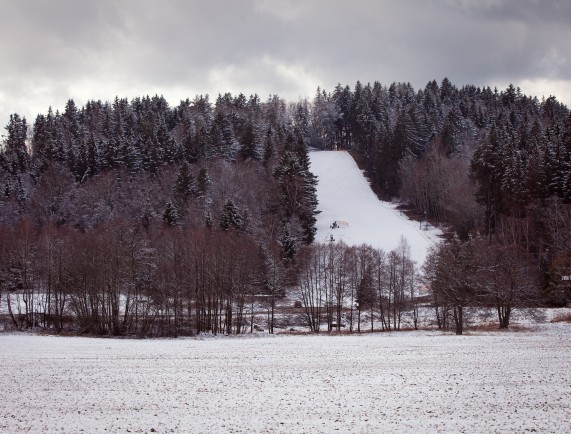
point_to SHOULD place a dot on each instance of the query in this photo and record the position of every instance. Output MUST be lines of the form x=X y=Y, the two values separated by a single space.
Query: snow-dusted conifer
x=170 y=215
x=184 y=186
x=230 y=217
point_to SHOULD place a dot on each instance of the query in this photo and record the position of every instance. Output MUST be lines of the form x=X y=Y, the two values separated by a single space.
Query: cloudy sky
x=53 y=50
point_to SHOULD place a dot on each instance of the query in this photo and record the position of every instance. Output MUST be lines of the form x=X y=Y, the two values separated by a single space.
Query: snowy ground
x=401 y=382
x=345 y=195
x=393 y=382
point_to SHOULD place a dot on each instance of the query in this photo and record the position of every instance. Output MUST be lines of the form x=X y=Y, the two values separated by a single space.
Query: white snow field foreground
x=345 y=196
x=371 y=383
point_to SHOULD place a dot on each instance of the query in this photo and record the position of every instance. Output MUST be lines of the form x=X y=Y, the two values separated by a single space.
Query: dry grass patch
x=562 y=317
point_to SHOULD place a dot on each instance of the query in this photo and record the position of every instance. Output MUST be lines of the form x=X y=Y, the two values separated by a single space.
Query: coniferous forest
x=138 y=218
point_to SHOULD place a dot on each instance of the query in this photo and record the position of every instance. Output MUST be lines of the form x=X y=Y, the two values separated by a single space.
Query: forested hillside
x=99 y=201
x=488 y=163
x=412 y=142
x=137 y=217
x=142 y=161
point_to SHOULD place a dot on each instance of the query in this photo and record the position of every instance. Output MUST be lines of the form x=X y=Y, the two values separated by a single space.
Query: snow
x=345 y=195
x=389 y=382
x=424 y=381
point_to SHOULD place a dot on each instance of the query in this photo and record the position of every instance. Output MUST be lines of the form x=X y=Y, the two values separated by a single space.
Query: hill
x=345 y=197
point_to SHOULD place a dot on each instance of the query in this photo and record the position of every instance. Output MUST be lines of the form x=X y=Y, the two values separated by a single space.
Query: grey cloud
x=60 y=49
x=530 y=11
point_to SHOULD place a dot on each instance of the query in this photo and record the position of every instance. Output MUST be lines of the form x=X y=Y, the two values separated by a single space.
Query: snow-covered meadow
x=391 y=382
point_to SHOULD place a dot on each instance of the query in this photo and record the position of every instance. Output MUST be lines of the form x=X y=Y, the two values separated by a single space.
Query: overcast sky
x=53 y=50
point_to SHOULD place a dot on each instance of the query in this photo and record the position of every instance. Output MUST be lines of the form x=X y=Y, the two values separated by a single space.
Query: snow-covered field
x=344 y=195
x=425 y=381
x=394 y=382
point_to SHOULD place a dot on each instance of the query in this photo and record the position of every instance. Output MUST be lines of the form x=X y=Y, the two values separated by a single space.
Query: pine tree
x=301 y=122
x=565 y=165
x=202 y=182
x=249 y=150
x=151 y=158
x=450 y=133
x=191 y=147
x=344 y=100
x=134 y=153
x=298 y=192
x=207 y=219
x=82 y=166
x=22 y=193
x=365 y=296
x=170 y=215
x=229 y=145
x=118 y=143
x=73 y=137
x=107 y=155
x=366 y=121
x=288 y=245
x=289 y=176
x=542 y=173
x=268 y=147
x=488 y=168
x=167 y=149
x=448 y=91
x=325 y=114
x=432 y=105
x=41 y=142
x=230 y=217
x=184 y=186
x=16 y=152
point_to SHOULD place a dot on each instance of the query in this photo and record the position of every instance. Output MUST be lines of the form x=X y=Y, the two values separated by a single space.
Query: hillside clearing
x=345 y=196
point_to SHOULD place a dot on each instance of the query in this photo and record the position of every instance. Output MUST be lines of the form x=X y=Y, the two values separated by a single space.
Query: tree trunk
x=504 y=313
x=459 y=319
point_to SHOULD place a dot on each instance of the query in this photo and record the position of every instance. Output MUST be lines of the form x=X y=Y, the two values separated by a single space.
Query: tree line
x=123 y=280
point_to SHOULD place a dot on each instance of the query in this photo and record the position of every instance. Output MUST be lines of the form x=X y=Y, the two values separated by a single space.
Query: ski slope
x=345 y=196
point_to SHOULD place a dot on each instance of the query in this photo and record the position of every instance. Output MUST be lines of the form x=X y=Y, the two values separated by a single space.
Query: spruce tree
x=298 y=191
x=249 y=150
x=184 y=186
x=170 y=215
x=288 y=245
x=230 y=217
x=202 y=182
x=207 y=219
x=268 y=147
x=191 y=147
x=40 y=142
x=565 y=167
x=16 y=151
